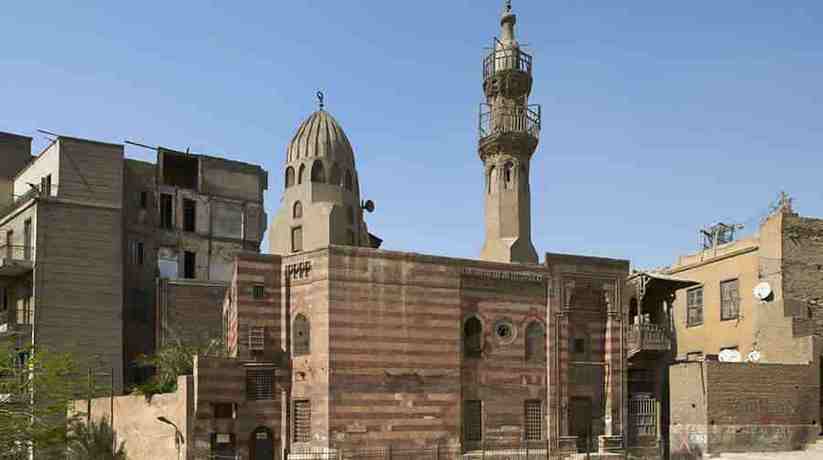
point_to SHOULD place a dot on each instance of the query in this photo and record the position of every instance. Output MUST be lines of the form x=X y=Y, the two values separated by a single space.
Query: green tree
x=36 y=391
x=93 y=441
x=173 y=360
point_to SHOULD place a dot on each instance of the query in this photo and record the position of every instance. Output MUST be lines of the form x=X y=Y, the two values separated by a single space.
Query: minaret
x=509 y=130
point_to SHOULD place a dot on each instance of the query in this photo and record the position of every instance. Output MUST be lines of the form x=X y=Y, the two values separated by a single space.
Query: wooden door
x=580 y=422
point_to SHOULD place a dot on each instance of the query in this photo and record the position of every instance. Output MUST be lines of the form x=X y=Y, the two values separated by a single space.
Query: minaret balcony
x=507 y=72
x=512 y=121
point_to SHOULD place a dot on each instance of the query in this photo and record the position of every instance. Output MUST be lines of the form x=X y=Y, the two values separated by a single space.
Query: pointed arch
x=508 y=174
x=289 y=177
x=334 y=176
x=297 y=210
x=535 y=342
x=491 y=179
x=349 y=181
x=301 y=173
x=472 y=337
x=301 y=336
x=318 y=173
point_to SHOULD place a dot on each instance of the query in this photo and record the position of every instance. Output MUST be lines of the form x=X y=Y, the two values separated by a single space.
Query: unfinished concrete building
x=105 y=256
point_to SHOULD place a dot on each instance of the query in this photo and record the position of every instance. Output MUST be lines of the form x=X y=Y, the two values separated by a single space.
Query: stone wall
x=803 y=272
x=741 y=407
x=190 y=311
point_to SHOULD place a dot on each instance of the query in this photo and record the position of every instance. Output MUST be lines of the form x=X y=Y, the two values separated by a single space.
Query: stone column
x=557 y=368
x=612 y=440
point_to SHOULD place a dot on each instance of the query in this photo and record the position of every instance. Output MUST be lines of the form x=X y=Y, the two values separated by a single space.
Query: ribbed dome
x=320 y=136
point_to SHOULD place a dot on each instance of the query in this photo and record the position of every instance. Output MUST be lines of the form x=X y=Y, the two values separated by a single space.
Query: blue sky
x=659 y=118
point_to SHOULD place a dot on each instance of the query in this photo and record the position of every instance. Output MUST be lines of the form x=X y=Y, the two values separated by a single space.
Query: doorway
x=261 y=444
x=580 y=422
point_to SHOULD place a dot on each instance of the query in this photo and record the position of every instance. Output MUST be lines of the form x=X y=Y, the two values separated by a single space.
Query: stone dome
x=320 y=136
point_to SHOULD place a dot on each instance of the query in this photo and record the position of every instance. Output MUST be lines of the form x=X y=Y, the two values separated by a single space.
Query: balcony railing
x=509 y=120
x=16 y=252
x=648 y=337
x=510 y=59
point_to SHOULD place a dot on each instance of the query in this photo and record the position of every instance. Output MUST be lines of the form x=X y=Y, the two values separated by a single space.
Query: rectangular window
x=534 y=420
x=144 y=200
x=189 y=215
x=137 y=252
x=302 y=421
x=694 y=307
x=473 y=420
x=729 y=300
x=27 y=239
x=45 y=185
x=223 y=410
x=257 y=338
x=297 y=239
x=189 y=265
x=24 y=315
x=166 y=211
x=258 y=291
x=259 y=384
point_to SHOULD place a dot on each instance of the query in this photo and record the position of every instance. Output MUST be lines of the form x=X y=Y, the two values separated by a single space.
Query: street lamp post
x=179 y=439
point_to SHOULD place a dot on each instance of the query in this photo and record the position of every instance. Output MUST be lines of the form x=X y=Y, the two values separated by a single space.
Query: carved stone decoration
x=298 y=270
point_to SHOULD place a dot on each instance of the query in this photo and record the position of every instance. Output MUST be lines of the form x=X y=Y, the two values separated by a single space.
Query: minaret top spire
x=508 y=6
x=507 y=23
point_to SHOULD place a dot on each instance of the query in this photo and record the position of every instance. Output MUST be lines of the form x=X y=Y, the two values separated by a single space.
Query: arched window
x=535 y=342
x=298 y=210
x=334 y=177
x=318 y=174
x=492 y=179
x=349 y=181
x=472 y=338
x=301 y=173
x=508 y=174
x=289 y=177
x=301 y=336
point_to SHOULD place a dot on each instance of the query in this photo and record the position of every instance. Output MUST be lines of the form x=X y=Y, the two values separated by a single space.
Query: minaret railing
x=509 y=120
x=506 y=59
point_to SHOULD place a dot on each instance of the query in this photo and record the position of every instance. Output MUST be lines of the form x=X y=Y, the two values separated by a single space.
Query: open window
x=180 y=170
x=318 y=173
x=472 y=338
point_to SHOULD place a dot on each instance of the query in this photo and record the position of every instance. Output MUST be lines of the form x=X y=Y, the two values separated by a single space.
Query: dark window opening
x=301 y=173
x=579 y=346
x=535 y=343
x=9 y=244
x=318 y=174
x=472 y=338
x=301 y=336
x=507 y=174
x=144 y=200
x=297 y=212
x=302 y=420
x=189 y=215
x=258 y=291
x=166 y=211
x=137 y=253
x=289 y=177
x=694 y=307
x=27 y=236
x=534 y=420
x=180 y=170
x=45 y=185
x=259 y=384
x=189 y=266
x=223 y=410
x=473 y=420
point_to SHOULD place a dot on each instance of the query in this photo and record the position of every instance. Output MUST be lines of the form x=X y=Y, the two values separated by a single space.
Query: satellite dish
x=368 y=205
x=762 y=291
x=753 y=357
x=729 y=356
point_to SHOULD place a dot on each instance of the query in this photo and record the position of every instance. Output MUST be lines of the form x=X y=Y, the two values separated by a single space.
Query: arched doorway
x=261 y=444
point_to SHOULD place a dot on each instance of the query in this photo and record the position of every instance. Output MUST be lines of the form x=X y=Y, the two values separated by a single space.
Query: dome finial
x=320 y=98
x=508 y=6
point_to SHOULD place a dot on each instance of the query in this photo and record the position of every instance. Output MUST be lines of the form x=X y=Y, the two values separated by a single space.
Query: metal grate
x=694 y=315
x=258 y=291
x=473 y=420
x=302 y=421
x=534 y=420
x=259 y=384
x=642 y=419
x=257 y=337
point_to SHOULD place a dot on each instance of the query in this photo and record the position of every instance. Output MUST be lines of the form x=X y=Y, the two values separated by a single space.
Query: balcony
x=512 y=121
x=507 y=60
x=15 y=260
x=647 y=337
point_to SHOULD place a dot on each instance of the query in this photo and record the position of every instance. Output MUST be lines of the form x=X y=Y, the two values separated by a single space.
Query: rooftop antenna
x=320 y=98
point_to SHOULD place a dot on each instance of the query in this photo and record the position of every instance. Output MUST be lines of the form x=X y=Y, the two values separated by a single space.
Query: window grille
x=694 y=307
x=302 y=421
x=729 y=300
x=257 y=337
x=534 y=420
x=259 y=384
x=473 y=420
x=258 y=291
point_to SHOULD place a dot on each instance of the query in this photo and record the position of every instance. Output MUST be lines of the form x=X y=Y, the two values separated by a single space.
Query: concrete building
x=338 y=348
x=742 y=321
x=88 y=236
